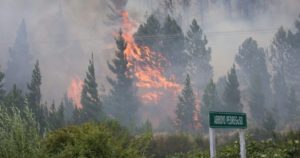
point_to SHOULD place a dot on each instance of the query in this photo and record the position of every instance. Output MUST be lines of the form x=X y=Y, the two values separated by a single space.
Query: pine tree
x=90 y=100
x=14 y=98
x=285 y=55
x=186 y=107
x=60 y=115
x=56 y=116
x=292 y=105
x=199 y=55
x=77 y=116
x=280 y=94
x=150 y=28
x=257 y=100
x=34 y=98
x=19 y=65
x=279 y=50
x=123 y=99
x=269 y=123
x=173 y=47
x=231 y=95
x=210 y=102
x=42 y=115
x=34 y=88
x=2 y=91
x=52 y=116
x=252 y=62
x=69 y=108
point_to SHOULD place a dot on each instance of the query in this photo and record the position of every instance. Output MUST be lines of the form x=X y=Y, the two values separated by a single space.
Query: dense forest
x=155 y=91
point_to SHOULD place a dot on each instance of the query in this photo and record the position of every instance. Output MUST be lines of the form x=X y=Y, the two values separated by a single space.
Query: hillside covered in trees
x=147 y=88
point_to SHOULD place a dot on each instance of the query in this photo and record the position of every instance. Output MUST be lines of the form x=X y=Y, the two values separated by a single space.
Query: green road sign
x=227 y=120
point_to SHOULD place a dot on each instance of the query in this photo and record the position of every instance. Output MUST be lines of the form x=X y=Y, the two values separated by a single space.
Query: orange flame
x=74 y=91
x=146 y=65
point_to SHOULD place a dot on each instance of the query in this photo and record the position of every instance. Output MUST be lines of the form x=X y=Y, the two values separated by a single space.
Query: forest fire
x=146 y=65
x=74 y=91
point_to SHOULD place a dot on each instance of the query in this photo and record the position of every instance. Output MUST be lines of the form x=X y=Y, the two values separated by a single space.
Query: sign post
x=212 y=143
x=227 y=120
x=242 y=143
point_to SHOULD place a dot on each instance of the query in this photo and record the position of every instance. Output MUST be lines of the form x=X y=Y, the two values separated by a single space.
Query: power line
x=168 y=36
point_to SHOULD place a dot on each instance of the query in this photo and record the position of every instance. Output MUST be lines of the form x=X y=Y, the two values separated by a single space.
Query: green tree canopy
x=148 y=33
x=210 y=102
x=199 y=55
x=90 y=100
x=231 y=95
x=34 y=88
x=186 y=107
x=123 y=101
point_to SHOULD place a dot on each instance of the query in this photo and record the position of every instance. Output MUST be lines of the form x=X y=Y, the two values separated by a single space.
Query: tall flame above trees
x=146 y=66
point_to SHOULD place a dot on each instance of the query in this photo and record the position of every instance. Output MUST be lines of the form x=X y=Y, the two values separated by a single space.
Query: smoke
x=63 y=33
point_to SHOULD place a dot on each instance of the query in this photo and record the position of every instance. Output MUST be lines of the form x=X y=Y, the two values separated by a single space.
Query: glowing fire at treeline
x=145 y=65
x=74 y=91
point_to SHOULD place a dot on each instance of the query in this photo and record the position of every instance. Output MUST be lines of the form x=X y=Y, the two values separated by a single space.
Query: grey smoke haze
x=63 y=33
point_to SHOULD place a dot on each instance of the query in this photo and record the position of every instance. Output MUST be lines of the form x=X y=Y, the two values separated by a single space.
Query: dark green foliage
x=34 y=98
x=150 y=29
x=199 y=55
x=210 y=102
x=14 y=98
x=34 y=88
x=90 y=100
x=123 y=100
x=186 y=108
x=69 y=108
x=145 y=128
x=2 y=91
x=56 y=116
x=288 y=148
x=104 y=140
x=231 y=95
x=77 y=116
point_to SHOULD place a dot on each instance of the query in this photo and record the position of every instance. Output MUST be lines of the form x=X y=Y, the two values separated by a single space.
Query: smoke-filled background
x=62 y=34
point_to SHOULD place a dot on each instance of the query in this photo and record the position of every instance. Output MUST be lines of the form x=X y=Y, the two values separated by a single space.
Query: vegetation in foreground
x=20 y=138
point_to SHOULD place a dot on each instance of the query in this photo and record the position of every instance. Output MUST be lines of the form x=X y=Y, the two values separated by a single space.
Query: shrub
x=18 y=133
x=105 y=140
x=164 y=145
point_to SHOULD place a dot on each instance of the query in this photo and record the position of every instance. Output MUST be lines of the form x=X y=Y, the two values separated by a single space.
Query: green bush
x=164 y=145
x=18 y=134
x=91 y=140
